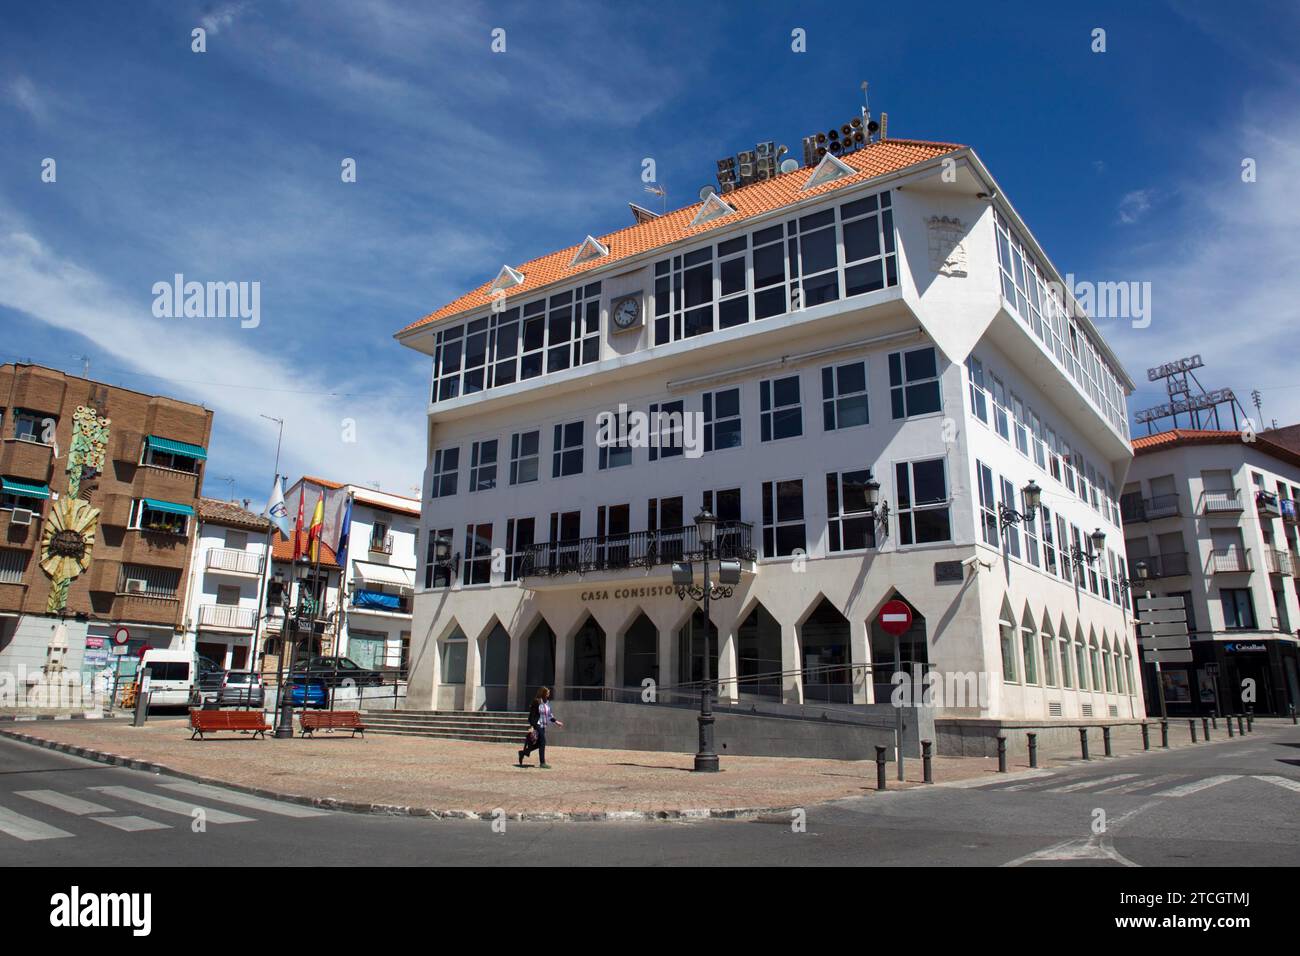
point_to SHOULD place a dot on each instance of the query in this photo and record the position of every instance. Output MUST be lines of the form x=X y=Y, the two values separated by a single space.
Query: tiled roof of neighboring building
x=784 y=189
x=230 y=514
x=282 y=550
x=1177 y=437
x=365 y=496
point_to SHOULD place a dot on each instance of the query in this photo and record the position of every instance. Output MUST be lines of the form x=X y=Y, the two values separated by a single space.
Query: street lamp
x=706 y=759
x=1033 y=496
x=1097 y=541
x=284 y=726
x=871 y=491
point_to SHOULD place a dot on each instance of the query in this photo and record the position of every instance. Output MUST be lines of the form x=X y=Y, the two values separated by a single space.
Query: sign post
x=895 y=618
x=1162 y=624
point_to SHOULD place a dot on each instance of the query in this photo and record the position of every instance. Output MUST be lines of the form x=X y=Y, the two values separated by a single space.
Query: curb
x=394 y=810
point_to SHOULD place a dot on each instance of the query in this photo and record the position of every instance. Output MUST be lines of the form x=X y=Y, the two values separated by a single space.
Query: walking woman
x=539 y=715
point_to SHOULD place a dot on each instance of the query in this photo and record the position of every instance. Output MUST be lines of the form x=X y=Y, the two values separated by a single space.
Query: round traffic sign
x=121 y=636
x=895 y=617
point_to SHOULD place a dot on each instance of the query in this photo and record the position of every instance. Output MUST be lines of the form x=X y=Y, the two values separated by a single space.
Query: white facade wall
x=392 y=546
x=953 y=309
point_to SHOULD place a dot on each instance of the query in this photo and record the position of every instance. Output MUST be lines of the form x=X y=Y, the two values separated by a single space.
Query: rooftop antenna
x=866 y=107
x=230 y=481
x=85 y=365
x=657 y=190
x=1257 y=401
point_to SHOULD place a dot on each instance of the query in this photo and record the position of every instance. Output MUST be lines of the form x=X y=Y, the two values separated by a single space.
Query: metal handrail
x=1229 y=500
x=1230 y=559
x=636 y=549
x=1135 y=508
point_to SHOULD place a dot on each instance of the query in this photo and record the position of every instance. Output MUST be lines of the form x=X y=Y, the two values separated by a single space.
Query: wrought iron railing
x=1135 y=508
x=638 y=549
x=1279 y=562
x=1230 y=559
x=1229 y=500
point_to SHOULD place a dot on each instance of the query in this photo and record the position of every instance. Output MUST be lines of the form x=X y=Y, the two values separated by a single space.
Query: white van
x=171 y=676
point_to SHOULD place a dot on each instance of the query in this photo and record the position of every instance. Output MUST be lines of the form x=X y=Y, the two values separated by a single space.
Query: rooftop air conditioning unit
x=135 y=585
x=21 y=516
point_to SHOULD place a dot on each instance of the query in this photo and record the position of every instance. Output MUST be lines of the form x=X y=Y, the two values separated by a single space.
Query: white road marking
x=245 y=800
x=63 y=801
x=27 y=829
x=168 y=805
x=981 y=782
x=133 y=824
x=1280 y=781
x=1141 y=784
x=1095 y=847
x=1196 y=786
x=1085 y=784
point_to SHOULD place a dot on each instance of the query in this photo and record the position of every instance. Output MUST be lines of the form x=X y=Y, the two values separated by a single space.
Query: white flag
x=278 y=512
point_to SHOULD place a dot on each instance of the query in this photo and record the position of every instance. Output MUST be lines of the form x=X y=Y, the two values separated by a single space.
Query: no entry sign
x=121 y=636
x=895 y=617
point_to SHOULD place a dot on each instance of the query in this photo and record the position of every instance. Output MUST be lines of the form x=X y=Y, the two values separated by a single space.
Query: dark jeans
x=539 y=744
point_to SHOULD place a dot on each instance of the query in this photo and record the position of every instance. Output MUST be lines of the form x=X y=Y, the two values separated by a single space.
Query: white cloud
x=24 y=94
x=1134 y=205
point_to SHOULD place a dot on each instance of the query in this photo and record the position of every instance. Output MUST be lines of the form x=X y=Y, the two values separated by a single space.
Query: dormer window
x=507 y=278
x=590 y=249
x=713 y=208
x=828 y=170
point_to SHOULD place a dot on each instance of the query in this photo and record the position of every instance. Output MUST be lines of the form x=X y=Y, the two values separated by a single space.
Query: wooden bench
x=207 y=721
x=332 y=720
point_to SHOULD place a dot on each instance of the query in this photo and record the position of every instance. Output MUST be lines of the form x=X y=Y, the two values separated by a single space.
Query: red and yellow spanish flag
x=317 y=526
x=297 y=527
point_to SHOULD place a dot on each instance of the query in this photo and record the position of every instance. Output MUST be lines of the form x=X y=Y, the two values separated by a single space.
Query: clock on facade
x=625 y=313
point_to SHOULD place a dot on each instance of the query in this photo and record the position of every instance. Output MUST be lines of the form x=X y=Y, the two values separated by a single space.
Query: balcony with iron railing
x=1169 y=565
x=1279 y=562
x=1267 y=504
x=1222 y=502
x=381 y=544
x=1134 y=508
x=1227 y=560
x=638 y=549
x=227 y=617
x=234 y=561
x=1288 y=508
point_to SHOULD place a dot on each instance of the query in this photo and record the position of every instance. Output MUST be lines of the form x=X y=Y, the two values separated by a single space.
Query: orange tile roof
x=877 y=159
x=228 y=513
x=1176 y=437
x=282 y=550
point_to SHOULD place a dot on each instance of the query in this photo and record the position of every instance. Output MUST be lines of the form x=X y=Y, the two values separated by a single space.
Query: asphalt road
x=1228 y=803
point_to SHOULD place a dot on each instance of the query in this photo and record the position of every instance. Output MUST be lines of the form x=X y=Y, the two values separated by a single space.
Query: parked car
x=307 y=691
x=241 y=688
x=211 y=676
x=334 y=671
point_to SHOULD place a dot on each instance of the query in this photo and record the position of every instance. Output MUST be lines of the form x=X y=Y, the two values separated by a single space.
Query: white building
x=228 y=571
x=881 y=319
x=1210 y=516
x=374 y=629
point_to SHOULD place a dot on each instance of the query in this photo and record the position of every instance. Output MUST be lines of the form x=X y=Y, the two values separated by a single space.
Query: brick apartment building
x=136 y=458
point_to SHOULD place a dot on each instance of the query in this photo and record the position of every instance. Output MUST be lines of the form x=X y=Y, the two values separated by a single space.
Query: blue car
x=307 y=692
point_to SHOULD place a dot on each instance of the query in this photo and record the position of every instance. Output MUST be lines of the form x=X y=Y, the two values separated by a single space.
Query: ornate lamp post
x=284 y=726
x=706 y=760
x=1033 y=496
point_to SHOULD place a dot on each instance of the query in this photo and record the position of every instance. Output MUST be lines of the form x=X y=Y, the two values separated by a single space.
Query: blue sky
x=225 y=166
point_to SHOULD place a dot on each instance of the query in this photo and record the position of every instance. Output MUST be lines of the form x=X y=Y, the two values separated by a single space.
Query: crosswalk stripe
x=1198 y=785
x=1141 y=784
x=133 y=824
x=244 y=800
x=27 y=829
x=168 y=805
x=63 y=801
x=974 y=782
x=1280 y=781
x=1085 y=784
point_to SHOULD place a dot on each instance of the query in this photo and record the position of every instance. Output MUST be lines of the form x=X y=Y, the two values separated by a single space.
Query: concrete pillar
x=518 y=662
x=859 y=656
x=563 y=648
x=791 y=665
x=474 y=699
x=729 y=690
x=667 y=657
x=613 y=658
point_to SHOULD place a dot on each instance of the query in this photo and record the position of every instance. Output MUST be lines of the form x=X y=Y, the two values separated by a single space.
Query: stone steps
x=482 y=726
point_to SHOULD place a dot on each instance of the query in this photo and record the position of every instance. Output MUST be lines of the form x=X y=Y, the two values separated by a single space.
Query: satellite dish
x=789 y=165
x=706 y=192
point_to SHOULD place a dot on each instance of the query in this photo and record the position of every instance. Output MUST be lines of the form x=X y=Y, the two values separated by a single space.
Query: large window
x=483 y=465
x=780 y=413
x=477 y=566
x=914 y=382
x=519 y=538
x=844 y=396
x=160 y=517
x=1049 y=542
x=1010 y=530
x=988 y=505
x=1007 y=640
x=784 y=531
x=722 y=428
x=437 y=575
x=454 y=653
x=33 y=426
x=667 y=430
x=446 y=463
x=523 y=456
x=566 y=455
x=614 y=450
x=978 y=395
x=851 y=525
x=1238 y=608
x=922 y=490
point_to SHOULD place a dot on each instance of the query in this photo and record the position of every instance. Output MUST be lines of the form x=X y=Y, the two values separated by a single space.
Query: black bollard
x=1191 y=725
x=1293 y=714
x=1002 y=754
x=1229 y=723
x=1146 y=736
x=1164 y=734
x=1105 y=741
x=880 y=767
x=1205 y=725
x=1250 y=721
x=1083 y=742
x=925 y=762
x=1214 y=721
x=1241 y=726
x=1033 y=749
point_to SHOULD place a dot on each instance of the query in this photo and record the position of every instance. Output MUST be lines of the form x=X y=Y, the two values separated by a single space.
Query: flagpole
x=254 y=664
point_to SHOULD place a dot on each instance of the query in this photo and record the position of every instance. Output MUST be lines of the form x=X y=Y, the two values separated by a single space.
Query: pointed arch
x=1029 y=645
x=640 y=639
x=758 y=652
x=1047 y=643
x=1007 y=642
x=824 y=641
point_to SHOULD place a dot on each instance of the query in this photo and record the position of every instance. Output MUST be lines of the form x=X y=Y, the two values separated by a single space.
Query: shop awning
x=26 y=488
x=168 y=506
x=371 y=573
x=177 y=447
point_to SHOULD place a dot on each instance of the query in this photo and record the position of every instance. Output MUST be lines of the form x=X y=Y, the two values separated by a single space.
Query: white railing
x=228 y=616
x=235 y=561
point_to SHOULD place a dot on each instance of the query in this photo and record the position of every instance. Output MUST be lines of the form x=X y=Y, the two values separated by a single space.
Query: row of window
x=922 y=512
x=1031 y=655
x=1017 y=423
x=913 y=391
x=1038 y=302
x=1049 y=542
